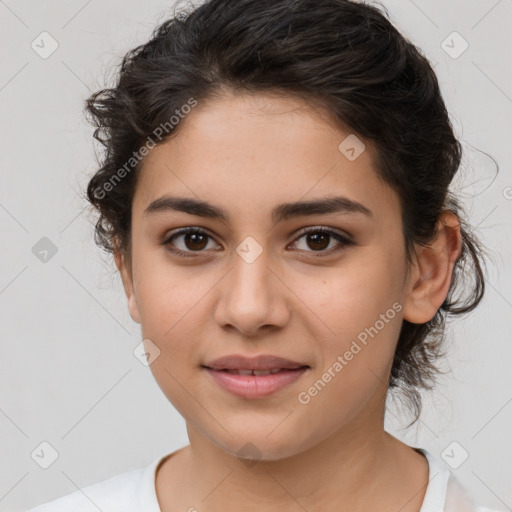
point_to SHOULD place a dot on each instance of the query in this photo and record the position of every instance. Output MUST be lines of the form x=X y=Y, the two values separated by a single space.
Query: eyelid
x=324 y=229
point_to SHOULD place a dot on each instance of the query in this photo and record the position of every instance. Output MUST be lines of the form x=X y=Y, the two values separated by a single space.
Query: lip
x=254 y=386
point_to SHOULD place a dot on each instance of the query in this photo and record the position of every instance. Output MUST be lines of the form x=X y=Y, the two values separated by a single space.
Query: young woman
x=275 y=192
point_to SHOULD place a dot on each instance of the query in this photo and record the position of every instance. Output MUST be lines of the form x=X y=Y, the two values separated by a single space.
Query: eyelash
x=344 y=240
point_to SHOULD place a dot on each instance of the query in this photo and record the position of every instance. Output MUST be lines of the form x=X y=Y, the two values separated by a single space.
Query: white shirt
x=134 y=491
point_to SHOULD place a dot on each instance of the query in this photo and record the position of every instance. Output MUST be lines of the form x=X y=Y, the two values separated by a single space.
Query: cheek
x=164 y=293
x=168 y=306
x=361 y=305
x=353 y=297
x=363 y=311
x=173 y=306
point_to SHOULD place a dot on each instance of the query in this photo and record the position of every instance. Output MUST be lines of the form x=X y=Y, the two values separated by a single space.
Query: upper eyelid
x=336 y=231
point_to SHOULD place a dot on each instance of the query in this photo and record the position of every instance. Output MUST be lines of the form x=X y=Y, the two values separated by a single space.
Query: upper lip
x=263 y=362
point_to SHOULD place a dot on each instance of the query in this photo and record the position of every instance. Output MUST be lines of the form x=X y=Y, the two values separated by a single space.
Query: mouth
x=254 y=378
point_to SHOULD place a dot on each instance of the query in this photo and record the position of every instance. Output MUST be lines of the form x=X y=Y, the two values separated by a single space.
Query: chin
x=251 y=446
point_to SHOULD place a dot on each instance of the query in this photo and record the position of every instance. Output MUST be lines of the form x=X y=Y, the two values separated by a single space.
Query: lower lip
x=255 y=386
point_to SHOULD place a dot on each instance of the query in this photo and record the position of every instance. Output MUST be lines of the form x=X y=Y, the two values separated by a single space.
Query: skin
x=246 y=154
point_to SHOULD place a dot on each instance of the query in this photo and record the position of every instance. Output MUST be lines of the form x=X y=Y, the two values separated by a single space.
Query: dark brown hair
x=341 y=54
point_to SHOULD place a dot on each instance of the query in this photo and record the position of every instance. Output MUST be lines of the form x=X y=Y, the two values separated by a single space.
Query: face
x=322 y=287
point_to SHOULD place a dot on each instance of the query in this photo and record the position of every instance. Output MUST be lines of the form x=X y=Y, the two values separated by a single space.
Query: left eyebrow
x=338 y=204
x=282 y=212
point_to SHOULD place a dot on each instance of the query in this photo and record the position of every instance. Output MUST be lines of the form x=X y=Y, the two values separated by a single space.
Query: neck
x=358 y=467
x=339 y=467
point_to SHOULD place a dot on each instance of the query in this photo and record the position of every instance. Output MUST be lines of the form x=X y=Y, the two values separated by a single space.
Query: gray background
x=68 y=374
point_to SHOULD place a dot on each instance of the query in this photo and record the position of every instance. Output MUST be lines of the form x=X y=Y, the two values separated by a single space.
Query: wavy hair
x=343 y=55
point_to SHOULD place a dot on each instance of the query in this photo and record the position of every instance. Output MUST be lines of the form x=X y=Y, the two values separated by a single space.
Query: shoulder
x=458 y=498
x=444 y=491
x=115 y=494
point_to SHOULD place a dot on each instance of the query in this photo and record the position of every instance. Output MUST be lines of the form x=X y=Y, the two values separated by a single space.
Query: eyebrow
x=282 y=212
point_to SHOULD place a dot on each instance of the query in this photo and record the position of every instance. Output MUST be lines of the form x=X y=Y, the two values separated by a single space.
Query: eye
x=319 y=239
x=193 y=240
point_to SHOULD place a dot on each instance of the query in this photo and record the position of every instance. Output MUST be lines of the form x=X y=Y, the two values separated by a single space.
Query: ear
x=431 y=275
x=126 y=276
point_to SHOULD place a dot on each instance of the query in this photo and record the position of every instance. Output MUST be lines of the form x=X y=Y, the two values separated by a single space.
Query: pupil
x=316 y=241
x=194 y=237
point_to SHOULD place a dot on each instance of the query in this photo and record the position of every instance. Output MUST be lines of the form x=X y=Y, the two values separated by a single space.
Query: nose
x=252 y=298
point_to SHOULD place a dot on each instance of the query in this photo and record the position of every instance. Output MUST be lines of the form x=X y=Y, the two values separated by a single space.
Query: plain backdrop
x=68 y=373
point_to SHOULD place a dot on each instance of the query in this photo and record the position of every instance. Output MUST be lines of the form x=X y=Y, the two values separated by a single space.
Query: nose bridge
x=250 y=296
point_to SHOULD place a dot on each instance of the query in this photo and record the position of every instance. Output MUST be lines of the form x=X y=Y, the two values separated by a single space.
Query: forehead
x=247 y=153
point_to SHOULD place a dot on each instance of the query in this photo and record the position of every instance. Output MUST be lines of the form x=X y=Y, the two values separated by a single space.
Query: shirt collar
x=147 y=489
x=434 y=500
x=435 y=496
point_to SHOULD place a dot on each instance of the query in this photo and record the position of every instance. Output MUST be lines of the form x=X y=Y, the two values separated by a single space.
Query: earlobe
x=127 y=279
x=431 y=277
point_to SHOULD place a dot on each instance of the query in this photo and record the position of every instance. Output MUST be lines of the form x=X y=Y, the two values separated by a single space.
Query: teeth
x=241 y=372
x=261 y=372
x=254 y=372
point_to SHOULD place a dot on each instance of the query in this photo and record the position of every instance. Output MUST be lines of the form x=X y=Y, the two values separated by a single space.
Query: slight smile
x=254 y=377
